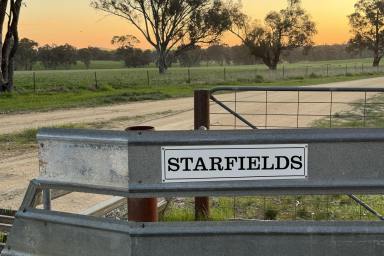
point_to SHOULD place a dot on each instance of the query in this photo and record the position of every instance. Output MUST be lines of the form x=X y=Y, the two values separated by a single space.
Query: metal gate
x=294 y=108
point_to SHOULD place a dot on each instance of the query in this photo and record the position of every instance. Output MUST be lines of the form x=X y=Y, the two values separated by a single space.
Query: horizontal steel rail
x=340 y=161
x=295 y=89
x=51 y=233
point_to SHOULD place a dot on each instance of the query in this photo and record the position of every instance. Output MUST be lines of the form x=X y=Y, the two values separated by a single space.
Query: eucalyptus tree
x=281 y=31
x=367 y=23
x=169 y=24
x=9 y=41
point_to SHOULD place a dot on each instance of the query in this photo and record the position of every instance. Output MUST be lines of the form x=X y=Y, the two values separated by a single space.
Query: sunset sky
x=76 y=23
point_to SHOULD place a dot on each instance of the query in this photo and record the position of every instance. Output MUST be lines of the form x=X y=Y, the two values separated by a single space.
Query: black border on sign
x=233 y=178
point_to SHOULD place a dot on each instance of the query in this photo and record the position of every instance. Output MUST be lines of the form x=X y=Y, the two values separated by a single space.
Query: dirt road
x=17 y=168
x=20 y=122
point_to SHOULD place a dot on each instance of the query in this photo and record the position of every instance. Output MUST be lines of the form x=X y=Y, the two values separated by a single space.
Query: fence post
x=96 y=82
x=34 y=82
x=362 y=68
x=189 y=76
x=148 y=82
x=201 y=119
x=142 y=209
x=327 y=70
x=283 y=71
x=225 y=74
x=346 y=69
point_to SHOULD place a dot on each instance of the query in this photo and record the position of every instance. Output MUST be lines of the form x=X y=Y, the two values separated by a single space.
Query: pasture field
x=108 y=83
x=62 y=98
x=110 y=64
x=112 y=74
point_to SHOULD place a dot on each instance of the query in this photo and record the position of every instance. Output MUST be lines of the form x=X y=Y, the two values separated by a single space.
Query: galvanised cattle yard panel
x=335 y=164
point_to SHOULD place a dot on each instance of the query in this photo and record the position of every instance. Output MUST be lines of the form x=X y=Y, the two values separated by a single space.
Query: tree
x=8 y=43
x=166 y=24
x=367 y=24
x=65 y=55
x=285 y=30
x=125 y=41
x=85 y=55
x=54 y=56
x=26 y=54
x=190 y=57
x=218 y=53
x=44 y=55
x=100 y=54
x=240 y=55
x=132 y=57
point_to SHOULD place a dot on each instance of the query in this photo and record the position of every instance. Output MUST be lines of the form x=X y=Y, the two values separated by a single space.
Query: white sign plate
x=229 y=163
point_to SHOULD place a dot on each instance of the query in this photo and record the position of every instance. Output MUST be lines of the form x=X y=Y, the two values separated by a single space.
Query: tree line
x=66 y=55
x=179 y=29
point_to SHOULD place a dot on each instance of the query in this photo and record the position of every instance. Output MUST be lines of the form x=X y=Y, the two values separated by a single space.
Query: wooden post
x=148 y=81
x=96 y=82
x=201 y=121
x=34 y=82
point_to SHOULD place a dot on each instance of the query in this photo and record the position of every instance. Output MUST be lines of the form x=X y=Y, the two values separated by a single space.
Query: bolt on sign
x=229 y=163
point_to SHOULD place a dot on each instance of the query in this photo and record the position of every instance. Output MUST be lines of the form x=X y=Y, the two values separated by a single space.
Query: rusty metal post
x=142 y=209
x=201 y=117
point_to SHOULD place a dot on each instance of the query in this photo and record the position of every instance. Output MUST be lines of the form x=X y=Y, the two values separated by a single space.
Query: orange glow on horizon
x=76 y=23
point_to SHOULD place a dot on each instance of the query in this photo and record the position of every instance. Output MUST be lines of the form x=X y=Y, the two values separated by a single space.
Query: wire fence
x=72 y=80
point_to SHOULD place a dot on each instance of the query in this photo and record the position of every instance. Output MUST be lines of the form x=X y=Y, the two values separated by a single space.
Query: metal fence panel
x=38 y=232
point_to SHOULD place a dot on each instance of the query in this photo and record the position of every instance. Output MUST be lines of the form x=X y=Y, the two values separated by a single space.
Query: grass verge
x=308 y=208
x=3 y=238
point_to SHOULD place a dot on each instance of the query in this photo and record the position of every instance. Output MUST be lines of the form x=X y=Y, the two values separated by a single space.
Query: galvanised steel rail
x=294 y=89
x=129 y=164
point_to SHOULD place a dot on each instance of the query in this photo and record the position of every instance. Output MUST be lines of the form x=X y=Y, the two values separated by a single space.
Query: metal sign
x=230 y=163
